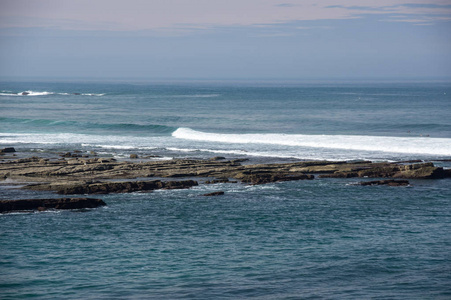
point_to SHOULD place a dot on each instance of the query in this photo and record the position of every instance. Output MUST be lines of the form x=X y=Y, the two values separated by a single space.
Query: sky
x=225 y=39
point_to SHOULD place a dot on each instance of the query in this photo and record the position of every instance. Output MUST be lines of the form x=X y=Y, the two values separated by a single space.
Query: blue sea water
x=319 y=239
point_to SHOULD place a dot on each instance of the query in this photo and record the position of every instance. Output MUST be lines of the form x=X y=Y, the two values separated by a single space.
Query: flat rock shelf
x=102 y=175
x=45 y=204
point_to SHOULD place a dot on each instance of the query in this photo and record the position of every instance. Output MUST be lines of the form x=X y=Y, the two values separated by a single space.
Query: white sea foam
x=26 y=93
x=109 y=142
x=235 y=152
x=89 y=94
x=407 y=145
x=33 y=93
x=45 y=93
x=120 y=147
x=190 y=96
x=61 y=138
x=187 y=142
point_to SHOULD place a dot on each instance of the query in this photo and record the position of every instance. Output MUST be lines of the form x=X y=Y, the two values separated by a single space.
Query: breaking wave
x=388 y=144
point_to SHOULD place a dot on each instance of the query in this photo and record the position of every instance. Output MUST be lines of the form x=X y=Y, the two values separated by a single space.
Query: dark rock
x=43 y=204
x=218 y=158
x=409 y=161
x=103 y=160
x=380 y=172
x=77 y=94
x=421 y=171
x=340 y=175
x=133 y=156
x=184 y=184
x=121 y=187
x=219 y=180
x=263 y=178
x=151 y=156
x=413 y=171
x=25 y=93
x=8 y=150
x=67 y=154
x=219 y=193
x=386 y=182
x=239 y=160
x=27 y=160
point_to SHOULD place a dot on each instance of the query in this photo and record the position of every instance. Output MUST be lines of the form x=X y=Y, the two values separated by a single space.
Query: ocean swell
x=388 y=144
x=116 y=127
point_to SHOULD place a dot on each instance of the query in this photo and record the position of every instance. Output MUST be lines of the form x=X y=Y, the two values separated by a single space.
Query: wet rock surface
x=8 y=150
x=44 y=204
x=112 y=187
x=389 y=182
x=390 y=170
x=218 y=193
x=256 y=177
x=75 y=175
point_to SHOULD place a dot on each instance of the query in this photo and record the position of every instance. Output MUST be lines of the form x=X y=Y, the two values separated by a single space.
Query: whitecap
x=91 y=94
x=387 y=144
x=45 y=93
x=34 y=93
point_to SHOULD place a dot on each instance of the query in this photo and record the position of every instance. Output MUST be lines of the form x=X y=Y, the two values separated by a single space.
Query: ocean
x=315 y=239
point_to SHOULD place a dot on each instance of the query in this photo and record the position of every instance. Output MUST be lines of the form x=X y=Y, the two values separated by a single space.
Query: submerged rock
x=218 y=193
x=219 y=180
x=388 y=182
x=8 y=150
x=218 y=158
x=387 y=170
x=43 y=204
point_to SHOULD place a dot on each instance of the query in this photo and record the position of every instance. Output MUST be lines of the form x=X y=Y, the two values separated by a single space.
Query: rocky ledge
x=44 y=204
x=102 y=175
x=68 y=188
x=389 y=182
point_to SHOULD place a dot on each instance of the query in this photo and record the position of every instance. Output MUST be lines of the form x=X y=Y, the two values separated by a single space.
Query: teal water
x=369 y=109
x=322 y=121
x=320 y=239
x=295 y=240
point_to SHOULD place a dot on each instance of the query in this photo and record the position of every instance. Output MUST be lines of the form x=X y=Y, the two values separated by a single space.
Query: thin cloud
x=425 y=20
x=276 y=34
x=285 y=5
x=364 y=8
x=417 y=13
x=419 y=5
x=186 y=15
x=313 y=27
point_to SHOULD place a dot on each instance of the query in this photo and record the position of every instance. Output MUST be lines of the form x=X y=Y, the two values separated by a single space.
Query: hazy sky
x=225 y=39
